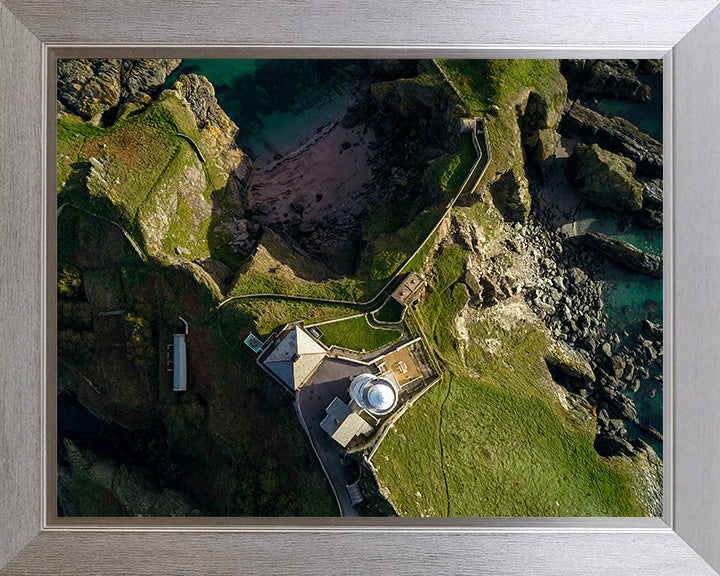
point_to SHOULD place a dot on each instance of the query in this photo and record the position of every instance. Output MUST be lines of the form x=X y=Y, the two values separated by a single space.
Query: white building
x=180 y=360
x=376 y=394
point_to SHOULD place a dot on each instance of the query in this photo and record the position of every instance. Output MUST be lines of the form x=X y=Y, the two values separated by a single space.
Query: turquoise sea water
x=648 y=117
x=276 y=104
x=631 y=298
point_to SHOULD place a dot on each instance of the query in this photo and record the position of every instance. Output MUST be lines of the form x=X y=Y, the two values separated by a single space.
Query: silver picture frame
x=684 y=32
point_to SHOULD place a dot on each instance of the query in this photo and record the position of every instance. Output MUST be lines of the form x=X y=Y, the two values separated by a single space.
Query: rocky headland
x=204 y=219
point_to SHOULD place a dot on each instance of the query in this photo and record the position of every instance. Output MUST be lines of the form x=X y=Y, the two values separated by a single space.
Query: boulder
x=511 y=195
x=544 y=147
x=613 y=78
x=653 y=193
x=604 y=178
x=651 y=330
x=609 y=445
x=625 y=254
x=618 y=366
x=616 y=135
x=541 y=116
x=652 y=66
x=570 y=361
x=199 y=94
x=544 y=110
x=648 y=218
x=577 y=277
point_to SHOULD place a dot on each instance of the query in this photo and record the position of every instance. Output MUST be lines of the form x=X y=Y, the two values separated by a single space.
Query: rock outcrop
x=573 y=362
x=141 y=77
x=617 y=135
x=605 y=179
x=651 y=216
x=91 y=87
x=542 y=114
x=217 y=131
x=511 y=195
x=132 y=488
x=88 y=87
x=615 y=78
x=625 y=254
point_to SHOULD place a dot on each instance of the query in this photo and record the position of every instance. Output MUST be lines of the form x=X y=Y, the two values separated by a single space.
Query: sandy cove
x=322 y=179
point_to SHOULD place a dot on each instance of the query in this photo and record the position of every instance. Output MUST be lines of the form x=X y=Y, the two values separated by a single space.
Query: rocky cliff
x=91 y=87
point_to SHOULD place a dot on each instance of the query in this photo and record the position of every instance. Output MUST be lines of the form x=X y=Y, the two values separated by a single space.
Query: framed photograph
x=247 y=250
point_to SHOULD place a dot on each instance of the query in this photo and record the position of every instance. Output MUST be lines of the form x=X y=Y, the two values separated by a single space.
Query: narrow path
x=194 y=146
x=127 y=235
x=442 y=448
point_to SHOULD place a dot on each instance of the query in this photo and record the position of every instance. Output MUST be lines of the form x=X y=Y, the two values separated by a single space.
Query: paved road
x=331 y=379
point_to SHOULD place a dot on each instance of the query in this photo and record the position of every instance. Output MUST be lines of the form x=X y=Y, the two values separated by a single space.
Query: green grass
x=447 y=173
x=357 y=334
x=492 y=439
x=145 y=165
x=483 y=83
x=505 y=84
x=391 y=311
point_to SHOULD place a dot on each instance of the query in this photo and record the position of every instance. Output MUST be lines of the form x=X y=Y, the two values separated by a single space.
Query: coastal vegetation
x=151 y=228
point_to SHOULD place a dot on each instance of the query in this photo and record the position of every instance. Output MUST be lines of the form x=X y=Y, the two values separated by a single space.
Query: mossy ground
x=391 y=311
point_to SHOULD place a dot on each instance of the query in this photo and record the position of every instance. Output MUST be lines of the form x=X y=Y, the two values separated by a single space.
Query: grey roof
x=341 y=423
x=295 y=357
x=179 y=363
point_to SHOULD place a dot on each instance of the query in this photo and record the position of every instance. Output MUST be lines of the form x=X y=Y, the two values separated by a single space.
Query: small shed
x=179 y=363
x=410 y=290
x=180 y=360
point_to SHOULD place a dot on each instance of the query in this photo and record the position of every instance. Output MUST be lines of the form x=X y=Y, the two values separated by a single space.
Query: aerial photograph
x=359 y=288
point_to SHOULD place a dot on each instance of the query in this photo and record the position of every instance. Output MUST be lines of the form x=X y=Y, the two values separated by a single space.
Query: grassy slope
x=393 y=232
x=493 y=441
x=502 y=83
x=491 y=438
x=145 y=163
x=255 y=459
x=357 y=334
